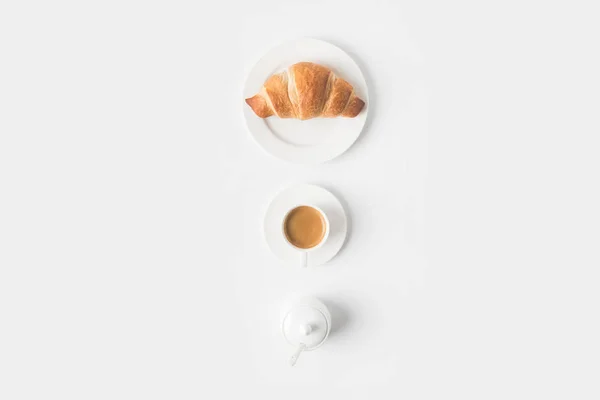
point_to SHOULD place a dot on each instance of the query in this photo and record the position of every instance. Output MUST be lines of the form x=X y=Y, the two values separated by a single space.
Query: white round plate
x=312 y=195
x=316 y=140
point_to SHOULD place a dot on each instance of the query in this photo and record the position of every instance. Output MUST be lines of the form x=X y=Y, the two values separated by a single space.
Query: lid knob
x=306 y=329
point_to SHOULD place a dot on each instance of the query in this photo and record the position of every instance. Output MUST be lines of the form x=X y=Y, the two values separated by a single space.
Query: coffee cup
x=305 y=228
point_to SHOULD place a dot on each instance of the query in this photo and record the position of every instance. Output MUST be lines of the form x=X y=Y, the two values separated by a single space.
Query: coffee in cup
x=305 y=227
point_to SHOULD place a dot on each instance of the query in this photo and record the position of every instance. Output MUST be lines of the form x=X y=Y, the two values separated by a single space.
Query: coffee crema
x=304 y=227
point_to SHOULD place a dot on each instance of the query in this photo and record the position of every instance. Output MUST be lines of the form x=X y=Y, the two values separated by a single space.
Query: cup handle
x=304 y=259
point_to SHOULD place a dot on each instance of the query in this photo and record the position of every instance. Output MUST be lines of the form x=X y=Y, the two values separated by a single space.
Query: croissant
x=304 y=91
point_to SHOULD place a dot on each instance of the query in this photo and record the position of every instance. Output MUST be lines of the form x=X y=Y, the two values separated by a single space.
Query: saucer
x=305 y=194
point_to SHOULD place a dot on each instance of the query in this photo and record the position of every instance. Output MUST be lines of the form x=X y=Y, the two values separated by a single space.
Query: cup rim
x=325 y=236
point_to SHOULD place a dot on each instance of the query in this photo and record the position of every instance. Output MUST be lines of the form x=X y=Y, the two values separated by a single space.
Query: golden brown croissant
x=306 y=90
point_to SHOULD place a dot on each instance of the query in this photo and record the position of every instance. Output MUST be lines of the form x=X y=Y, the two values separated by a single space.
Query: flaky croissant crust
x=306 y=90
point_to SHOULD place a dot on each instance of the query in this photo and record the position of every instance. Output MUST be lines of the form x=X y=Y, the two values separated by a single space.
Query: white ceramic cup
x=303 y=253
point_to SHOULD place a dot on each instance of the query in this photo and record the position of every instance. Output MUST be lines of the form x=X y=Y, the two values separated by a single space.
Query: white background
x=132 y=263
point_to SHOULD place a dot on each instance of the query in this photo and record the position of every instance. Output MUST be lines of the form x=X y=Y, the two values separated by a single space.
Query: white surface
x=292 y=197
x=132 y=260
x=312 y=141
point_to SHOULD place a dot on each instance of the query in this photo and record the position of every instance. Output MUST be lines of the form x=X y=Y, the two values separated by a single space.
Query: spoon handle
x=295 y=356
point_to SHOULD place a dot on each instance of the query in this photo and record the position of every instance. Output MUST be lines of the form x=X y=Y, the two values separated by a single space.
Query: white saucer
x=316 y=140
x=305 y=194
